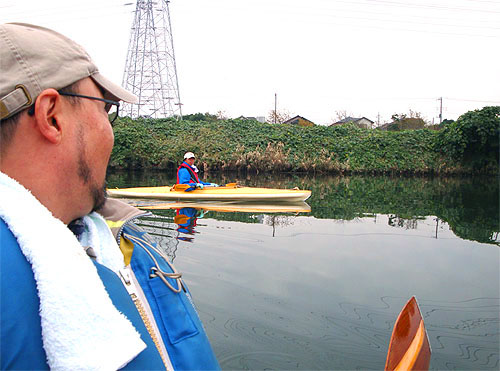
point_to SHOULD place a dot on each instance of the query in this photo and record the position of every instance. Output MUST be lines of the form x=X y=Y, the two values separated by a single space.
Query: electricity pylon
x=150 y=70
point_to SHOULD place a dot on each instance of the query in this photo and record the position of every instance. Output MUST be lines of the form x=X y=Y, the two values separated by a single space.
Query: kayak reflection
x=159 y=224
x=186 y=219
x=222 y=206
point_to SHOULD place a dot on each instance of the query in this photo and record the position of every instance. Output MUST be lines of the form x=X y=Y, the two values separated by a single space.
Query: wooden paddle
x=409 y=347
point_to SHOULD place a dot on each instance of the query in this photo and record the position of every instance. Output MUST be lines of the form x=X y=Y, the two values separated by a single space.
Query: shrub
x=474 y=135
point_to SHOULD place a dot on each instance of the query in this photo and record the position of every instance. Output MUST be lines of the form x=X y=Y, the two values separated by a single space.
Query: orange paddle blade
x=181 y=187
x=409 y=348
x=181 y=219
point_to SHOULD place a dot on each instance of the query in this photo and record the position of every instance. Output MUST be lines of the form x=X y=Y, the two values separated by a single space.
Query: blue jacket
x=20 y=328
x=184 y=176
x=174 y=314
x=176 y=318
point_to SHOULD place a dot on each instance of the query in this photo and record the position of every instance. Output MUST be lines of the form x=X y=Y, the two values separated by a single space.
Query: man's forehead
x=89 y=86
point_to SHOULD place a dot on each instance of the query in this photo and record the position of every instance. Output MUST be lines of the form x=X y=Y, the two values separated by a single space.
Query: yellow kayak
x=224 y=193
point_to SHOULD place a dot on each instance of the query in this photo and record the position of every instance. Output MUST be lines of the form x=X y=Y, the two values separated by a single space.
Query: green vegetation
x=469 y=145
x=473 y=139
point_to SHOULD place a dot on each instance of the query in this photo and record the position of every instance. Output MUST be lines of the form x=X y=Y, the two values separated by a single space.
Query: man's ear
x=48 y=111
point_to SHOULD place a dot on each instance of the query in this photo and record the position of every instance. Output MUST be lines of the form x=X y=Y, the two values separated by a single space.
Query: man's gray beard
x=98 y=193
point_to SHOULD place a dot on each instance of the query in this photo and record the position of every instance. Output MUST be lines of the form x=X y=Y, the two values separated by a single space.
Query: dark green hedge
x=246 y=145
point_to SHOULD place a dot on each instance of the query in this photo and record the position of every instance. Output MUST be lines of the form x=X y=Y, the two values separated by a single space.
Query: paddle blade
x=409 y=347
x=231 y=185
x=181 y=219
x=181 y=187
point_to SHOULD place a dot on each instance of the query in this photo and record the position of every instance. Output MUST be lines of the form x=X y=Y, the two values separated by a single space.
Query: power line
x=473 y=100
x=112 y=7
x=421 y=23
x=426 y=17
x=54 y=12
x=408 y=5
x=304 y=11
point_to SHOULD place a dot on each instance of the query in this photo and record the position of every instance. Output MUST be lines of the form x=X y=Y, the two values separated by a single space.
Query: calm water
x=322 y=289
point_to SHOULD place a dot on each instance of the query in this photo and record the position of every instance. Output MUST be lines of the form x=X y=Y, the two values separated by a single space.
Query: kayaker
x=187 y=173
x=71 y=298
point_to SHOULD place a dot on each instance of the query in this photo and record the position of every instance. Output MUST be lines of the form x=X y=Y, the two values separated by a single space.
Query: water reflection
x=162 y=231
x=187 y=213
x=186 y=219
x=470 y=206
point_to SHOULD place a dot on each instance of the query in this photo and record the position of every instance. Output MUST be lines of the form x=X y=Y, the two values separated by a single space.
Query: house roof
x=295 y=118
x=352 y=119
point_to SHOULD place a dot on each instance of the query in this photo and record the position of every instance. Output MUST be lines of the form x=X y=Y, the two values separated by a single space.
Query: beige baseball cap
x=34 y=58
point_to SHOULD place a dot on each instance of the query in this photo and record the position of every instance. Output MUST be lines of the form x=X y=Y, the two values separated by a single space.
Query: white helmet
x=188 y=155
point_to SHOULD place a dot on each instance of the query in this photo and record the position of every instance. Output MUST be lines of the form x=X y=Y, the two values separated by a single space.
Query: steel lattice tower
x=150 y=70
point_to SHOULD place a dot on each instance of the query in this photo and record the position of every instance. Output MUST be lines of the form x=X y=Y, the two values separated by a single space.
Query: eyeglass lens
x=112 y=112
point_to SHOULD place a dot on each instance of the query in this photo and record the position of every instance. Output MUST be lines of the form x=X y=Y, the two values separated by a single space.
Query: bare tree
x=221 y=115
x=278 y=116
x=340 y=115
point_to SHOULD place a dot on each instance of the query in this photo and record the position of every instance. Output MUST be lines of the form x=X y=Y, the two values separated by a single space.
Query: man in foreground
x=70 y=298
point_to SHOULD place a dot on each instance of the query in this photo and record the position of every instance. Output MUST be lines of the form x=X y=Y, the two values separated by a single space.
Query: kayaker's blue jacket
x=186 y=175
x=174 y=315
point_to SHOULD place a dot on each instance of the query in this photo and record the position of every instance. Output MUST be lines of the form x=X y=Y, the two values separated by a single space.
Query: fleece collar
x=81 y=328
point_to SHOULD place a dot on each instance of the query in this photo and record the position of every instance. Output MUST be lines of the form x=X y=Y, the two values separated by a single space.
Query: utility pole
x=150 y=69
x=440 y=110
x=275 y=105
x=378 y=119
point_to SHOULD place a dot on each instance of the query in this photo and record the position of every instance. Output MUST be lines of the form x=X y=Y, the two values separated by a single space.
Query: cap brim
x=113 y=89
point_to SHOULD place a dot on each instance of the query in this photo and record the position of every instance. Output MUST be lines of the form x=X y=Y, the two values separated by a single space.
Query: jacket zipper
x=120 y=230
x=127 y=278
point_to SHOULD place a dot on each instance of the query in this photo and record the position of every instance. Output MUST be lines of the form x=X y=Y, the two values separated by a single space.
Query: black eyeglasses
x=112 y=107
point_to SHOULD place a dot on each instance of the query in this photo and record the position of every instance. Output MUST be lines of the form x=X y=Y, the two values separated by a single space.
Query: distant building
x=407 y=123
x=361 y=122
x=257 y=118
x=385 y=126
x=299 y=120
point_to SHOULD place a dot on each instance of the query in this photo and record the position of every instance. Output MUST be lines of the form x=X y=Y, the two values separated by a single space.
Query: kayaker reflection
x=187 y=173
x=186 y=220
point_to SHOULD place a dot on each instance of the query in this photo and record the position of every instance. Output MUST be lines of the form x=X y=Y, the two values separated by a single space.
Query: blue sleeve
x=20 y=324
x=20 y=328
x=184 y=176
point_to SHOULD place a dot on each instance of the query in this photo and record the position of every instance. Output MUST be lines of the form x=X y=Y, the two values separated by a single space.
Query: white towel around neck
x=81 y=328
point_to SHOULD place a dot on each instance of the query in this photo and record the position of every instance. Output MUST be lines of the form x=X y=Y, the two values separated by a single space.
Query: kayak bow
x=409 y=347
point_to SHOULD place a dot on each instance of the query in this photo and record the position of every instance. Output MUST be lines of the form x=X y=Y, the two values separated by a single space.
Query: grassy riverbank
x=469 y=145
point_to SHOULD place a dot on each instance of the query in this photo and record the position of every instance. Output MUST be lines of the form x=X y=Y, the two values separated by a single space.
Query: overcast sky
x=370 y=58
